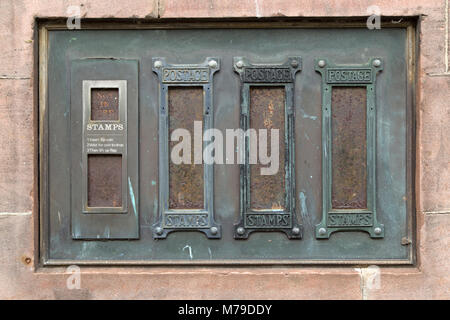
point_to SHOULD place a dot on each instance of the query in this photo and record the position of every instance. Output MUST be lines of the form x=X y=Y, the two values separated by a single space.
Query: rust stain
x=349 y=168
x=104 y=180
x=267 y=112
x=104 y=104
x=26 y=260
x=185 y=180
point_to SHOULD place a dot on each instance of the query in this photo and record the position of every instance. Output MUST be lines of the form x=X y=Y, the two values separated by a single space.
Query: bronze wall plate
x=115 y=51
x=104 y=129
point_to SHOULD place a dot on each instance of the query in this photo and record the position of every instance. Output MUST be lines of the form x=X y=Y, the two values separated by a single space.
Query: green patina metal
x=104 y=137
x=70 y=236
x=201 y=219
x=280 y=219
x=349 y=219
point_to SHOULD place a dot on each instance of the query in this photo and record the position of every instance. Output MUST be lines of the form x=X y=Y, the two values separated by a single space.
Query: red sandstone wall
x=19 y=276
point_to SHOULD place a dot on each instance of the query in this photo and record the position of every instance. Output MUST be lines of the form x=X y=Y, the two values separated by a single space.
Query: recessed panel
x=104 y=104
x=185 y=180
x=104 y=180
x=104 y=154
x=267 y=106
x=349 y=177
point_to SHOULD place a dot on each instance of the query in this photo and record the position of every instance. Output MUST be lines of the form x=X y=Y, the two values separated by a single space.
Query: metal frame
x=375 y=65
x=160 y=230
x=292 y=65
x=103 y=222
x=121 y=85
x=41 y=160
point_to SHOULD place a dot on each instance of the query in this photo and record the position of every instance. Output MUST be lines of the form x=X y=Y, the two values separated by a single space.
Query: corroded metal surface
x=104 y=104
x=185 y=180
x=104 y=180
x=267 y=189
x=349 y=165
x=267 y=112
x=349 y=148
x=192 y=247
x=186 y=199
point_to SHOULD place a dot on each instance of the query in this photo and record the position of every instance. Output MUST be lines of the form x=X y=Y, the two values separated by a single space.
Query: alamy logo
x=236 y=141
x=373 y=277
x=374 y=20
x=74 y=280
x=74 y=17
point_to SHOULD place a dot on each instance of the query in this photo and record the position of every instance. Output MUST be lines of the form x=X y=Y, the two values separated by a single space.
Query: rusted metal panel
x=186 y=181
x=349 y=166
x=104 y=180
x=104 y=104
x=267 y=112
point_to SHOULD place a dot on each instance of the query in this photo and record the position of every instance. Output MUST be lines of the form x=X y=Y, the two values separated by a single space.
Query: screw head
x=213 y=230
x=321 y=63
x=405 y=241
x=377 y=230
x=376 y=62
x=296 y=230
x=240 y=64
x=159 y=230
x=240 y=231
x=157 y=64
x=294 y=63
x=322 y=231
x=212 y=64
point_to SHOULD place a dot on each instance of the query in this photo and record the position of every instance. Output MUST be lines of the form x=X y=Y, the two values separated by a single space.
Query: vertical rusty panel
x=185 y=180
x=267 y=105
x=104 y=180
x=104 y=104
x=349 y=152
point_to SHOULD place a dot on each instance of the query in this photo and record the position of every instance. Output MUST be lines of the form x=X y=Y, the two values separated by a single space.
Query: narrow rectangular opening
x=267 y=112
x=104 y=180
x=349 y=154
x=105 y=104
x=186 y=182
